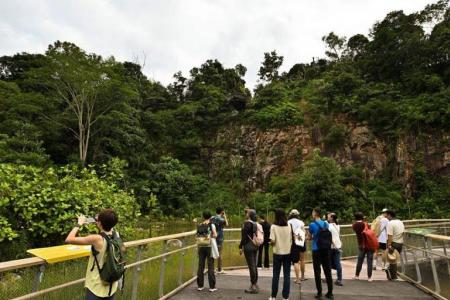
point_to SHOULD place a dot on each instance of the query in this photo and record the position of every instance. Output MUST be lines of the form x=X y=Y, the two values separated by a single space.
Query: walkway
x=232 y=285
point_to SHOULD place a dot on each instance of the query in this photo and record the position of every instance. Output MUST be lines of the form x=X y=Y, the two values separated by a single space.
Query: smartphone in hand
x=90 y=220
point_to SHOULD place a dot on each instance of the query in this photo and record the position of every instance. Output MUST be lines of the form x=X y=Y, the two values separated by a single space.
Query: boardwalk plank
x=231 y=286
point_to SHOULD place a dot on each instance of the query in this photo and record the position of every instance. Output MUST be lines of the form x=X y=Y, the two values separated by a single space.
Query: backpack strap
x=255 y=227
x=292 y=235
x=95 y=252
x=318 y=224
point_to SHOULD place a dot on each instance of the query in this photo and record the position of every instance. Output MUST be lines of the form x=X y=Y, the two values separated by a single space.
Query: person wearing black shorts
x=298 y=248
x=298 y=254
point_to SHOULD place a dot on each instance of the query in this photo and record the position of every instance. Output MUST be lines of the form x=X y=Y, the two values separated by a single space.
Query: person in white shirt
x=395 y=231
x=298 y=247
x=336 y=246
x=382 y=238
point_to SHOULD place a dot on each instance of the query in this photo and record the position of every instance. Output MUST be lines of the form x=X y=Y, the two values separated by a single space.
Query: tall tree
x=75 y=79
x=335 y=45
x=269 y=69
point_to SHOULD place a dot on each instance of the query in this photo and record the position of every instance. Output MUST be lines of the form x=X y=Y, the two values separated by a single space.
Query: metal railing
x=161 y=266
x=425 y=260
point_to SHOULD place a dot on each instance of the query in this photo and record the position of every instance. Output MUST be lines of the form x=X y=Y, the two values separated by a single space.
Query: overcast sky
x=178 y=35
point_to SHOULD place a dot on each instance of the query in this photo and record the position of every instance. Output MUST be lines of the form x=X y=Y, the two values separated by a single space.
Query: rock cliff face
x=259 y=154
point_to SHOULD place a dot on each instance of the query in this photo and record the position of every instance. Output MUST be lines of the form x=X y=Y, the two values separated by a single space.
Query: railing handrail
x=36 y=261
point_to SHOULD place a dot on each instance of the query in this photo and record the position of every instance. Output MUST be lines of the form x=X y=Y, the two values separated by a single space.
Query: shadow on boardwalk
x=232 y=285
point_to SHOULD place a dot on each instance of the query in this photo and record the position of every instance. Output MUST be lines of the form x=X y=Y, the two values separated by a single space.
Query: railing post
x=162 y=271
x=403 y=260
x=416 y=264
x=181 y=270
x=433 y=267
x=38 y=278
x=136 y=271
x=425 y=253
x=444 y=246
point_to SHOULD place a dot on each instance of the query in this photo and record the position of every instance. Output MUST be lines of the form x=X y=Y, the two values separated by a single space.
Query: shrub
x=42 y=203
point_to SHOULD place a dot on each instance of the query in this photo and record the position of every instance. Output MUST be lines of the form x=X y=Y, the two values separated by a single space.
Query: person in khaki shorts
x=395 y=231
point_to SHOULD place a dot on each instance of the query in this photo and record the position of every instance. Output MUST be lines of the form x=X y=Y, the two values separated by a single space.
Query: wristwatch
x=78 y=225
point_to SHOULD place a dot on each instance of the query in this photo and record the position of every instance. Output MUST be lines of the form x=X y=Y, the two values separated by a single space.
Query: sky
x=176 y=35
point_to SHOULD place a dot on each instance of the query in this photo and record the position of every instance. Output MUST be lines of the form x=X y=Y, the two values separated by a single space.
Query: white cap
x=384 y=210
x=294 y=212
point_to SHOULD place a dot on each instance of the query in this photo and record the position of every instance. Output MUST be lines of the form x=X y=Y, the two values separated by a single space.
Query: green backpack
x=113 y=261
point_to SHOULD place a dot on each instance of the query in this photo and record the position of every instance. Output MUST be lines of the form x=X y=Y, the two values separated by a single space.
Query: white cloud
x=178 y=35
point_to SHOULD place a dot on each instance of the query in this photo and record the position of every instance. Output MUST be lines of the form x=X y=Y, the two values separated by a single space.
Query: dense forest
x=79 y=131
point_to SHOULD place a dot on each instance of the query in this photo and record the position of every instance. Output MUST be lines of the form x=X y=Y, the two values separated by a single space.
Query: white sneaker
x=370 y=280
x=221 y=272
x=272 y=298
x=200 y=289
x=213 y=290
x=355 y=278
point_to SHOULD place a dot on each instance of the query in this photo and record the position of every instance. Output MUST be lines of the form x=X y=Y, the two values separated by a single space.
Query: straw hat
x=391 y=257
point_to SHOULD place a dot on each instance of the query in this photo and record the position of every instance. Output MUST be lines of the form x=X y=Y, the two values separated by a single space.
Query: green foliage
x=335 y=45
x=318 y=184
x=279 y=115
x=41 y=204
x=269 y=69
x=218 y=194
x=344 y=190
x=264 y=203
x=153 y=145
x=174 y=185
x=335 y=137
x=431 y=195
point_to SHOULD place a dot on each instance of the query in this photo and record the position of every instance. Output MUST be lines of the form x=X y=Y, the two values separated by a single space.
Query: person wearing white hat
x=299 y=246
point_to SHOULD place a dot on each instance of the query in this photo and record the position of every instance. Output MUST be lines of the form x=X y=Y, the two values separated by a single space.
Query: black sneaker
x=329 y=296
x=318 y=296
x=338 y=283
x=251 y=291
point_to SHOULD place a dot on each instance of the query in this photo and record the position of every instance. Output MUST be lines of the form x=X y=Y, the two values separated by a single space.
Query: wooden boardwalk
x=232 y=284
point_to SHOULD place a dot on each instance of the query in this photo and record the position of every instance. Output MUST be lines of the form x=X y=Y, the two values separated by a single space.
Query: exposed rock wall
x=259 y=154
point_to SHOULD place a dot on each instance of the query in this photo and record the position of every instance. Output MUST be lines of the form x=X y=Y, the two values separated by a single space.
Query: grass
x=15 y=284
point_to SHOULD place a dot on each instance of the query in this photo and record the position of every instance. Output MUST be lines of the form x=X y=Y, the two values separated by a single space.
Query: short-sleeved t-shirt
x=297 y=224
x=314 y=230
x=396 y=228
x=298 y=227
x=219 y=222
x=382 y=238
